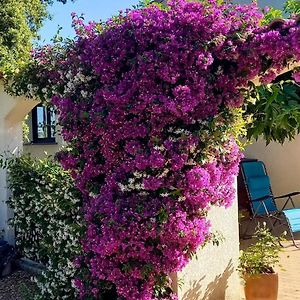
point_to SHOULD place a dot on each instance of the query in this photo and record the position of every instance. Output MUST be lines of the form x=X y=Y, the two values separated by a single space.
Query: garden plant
x=257 y=263
x=48 y=221
x=262 y=256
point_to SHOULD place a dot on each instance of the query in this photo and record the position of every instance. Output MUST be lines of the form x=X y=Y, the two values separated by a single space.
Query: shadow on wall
x=216 y=290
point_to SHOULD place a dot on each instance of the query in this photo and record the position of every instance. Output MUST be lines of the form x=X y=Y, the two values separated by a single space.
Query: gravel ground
x=14 y=286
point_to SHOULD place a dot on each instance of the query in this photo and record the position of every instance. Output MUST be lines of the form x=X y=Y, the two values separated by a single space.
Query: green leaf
x=275 y=114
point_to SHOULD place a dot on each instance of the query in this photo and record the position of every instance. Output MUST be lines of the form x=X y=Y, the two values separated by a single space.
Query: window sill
x=39 y=143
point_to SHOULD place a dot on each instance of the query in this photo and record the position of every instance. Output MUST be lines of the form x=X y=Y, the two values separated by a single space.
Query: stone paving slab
x=289 y=275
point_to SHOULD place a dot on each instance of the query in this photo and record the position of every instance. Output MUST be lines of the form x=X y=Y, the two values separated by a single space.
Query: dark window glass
x=43 y=124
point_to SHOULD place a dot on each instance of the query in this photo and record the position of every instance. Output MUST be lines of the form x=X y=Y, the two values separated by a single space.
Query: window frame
x=34 y=123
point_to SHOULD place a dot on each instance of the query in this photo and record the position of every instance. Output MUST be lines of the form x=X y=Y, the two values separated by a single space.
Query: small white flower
x=165 y=195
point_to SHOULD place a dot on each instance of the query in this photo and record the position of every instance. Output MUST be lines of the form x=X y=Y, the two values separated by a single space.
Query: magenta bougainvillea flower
x=296 y=76
x=146 y=105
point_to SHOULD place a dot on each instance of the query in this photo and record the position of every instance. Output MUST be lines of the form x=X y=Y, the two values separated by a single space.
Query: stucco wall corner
x=213 y=275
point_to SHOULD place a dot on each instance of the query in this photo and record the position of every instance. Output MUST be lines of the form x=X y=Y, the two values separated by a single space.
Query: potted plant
x=257 y=264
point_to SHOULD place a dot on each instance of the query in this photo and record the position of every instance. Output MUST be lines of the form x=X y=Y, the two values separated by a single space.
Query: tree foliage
x=275 y=112
x=20 y=21
x=292 y=6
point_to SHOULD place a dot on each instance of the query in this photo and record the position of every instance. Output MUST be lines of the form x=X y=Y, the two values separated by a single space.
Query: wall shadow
x=216 y=290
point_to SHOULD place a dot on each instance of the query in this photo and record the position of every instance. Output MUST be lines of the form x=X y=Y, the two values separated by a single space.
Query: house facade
x=13 y=110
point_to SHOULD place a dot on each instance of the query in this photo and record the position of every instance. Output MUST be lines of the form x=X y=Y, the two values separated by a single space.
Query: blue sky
x=92 y=9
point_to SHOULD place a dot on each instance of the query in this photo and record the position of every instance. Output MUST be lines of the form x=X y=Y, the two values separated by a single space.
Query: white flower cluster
x=76 y=80
x=48 y=223
x=132 y=185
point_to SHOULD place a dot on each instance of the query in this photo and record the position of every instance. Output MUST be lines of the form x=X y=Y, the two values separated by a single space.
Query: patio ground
x=289 y=272
x=16 y=286
x=289 y=278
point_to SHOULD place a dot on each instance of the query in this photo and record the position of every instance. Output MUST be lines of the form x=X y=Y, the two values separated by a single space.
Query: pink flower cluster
x=138 y=104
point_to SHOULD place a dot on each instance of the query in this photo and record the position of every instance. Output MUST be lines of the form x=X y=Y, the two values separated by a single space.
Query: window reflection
x=44 y=123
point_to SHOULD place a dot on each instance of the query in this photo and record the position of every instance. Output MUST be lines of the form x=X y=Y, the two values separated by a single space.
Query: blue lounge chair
x=263 y=202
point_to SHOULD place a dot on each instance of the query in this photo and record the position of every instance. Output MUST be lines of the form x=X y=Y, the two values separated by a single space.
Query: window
x=43 y=124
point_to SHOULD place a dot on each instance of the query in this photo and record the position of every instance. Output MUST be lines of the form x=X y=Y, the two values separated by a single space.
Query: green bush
x=48 y=222
x=263 y=255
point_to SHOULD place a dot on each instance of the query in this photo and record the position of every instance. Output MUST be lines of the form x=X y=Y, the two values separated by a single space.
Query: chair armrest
x=289 y=198
x=287 y=195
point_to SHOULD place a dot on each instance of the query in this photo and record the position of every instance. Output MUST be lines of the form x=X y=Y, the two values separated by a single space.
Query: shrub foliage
x=48 y=222
x=263 y=255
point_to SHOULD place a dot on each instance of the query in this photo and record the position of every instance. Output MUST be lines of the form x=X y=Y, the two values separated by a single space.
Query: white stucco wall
x=213 y=275
x=41 y=150
x=282 y=162
x=12 y=112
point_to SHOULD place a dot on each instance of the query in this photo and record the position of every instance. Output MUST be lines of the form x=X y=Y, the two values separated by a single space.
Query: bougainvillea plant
x=148 y=102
